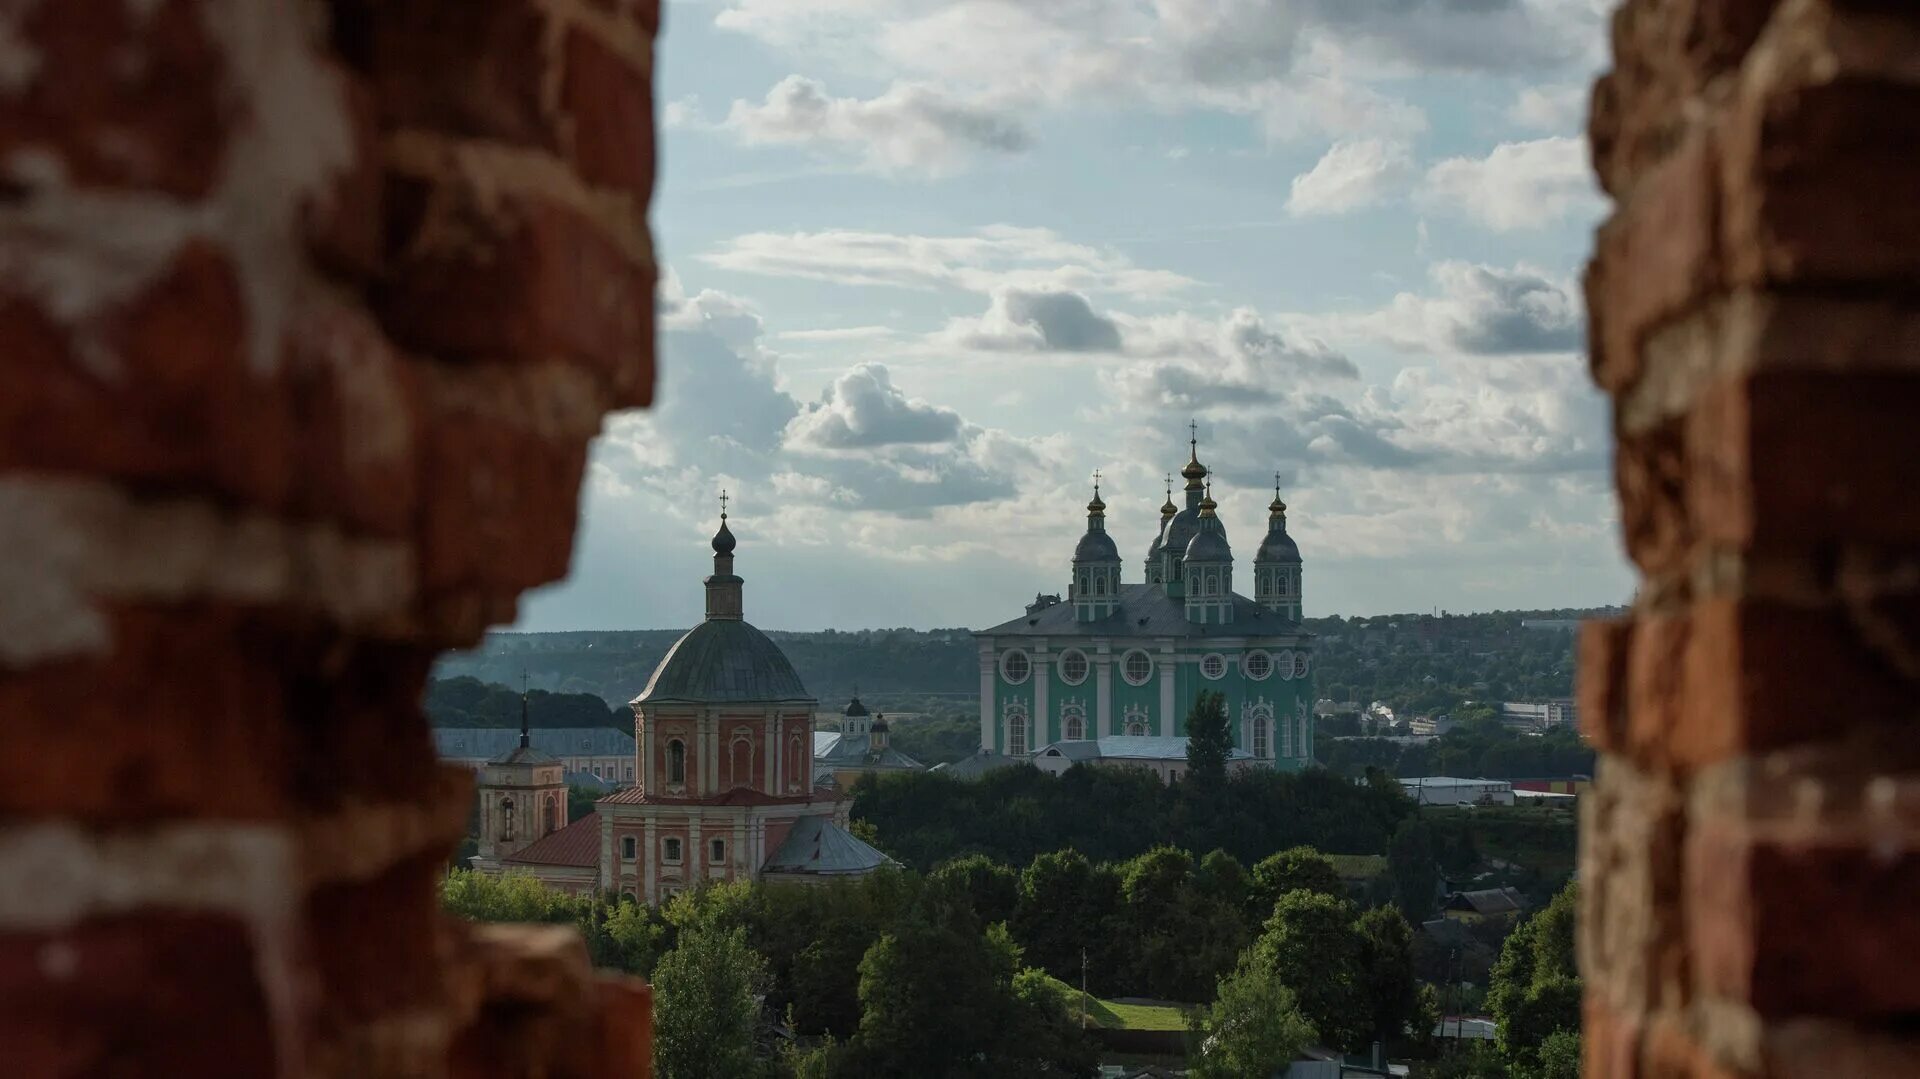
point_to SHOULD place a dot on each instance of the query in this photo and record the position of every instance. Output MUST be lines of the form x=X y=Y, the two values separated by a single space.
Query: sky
x=928 y=264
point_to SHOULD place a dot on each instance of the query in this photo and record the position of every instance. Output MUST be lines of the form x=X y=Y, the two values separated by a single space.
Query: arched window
x=1136 y=728
x=740 y=764
x=549 y=812
x=1262 y=735
x=1100 y=585
x=676 y=761
x=1016 y=733
x=1286 y=738
x=1073 y=724
x=506 y=818
x=1280 y=581
x=797 y=770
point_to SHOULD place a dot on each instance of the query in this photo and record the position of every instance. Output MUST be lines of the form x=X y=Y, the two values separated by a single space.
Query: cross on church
x=1193 y=433
x=723 y=503
x=1096 y=481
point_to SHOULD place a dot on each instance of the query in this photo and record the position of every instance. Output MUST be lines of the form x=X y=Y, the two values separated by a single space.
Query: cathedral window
x=1262 y=737
x=1213 y=585
x=1284 y=663
x=676 y=761
x=1213 y=665
x=1136 y=668
x=506 y=818
x=1136 y=728
x=1281 y=582
x=670 y=851
x=1073 y=666
x=1299 y=664
x=627 y=846
x=1100 y=585
x=1073 y=725
x=1015 y=667
x=1017 y=735
x=548 y=811
x=1258 y=665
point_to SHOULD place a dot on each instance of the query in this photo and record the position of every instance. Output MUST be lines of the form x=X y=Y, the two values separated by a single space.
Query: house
x=1478 y=906
x=605 y=753
x=1164 y=757
x=861 y=745
x=1451 y=791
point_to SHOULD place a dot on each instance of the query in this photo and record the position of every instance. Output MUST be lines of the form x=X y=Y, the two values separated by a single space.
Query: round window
x=1137 y=668
x=1258 y=665
x=1283 y=662
x=1213 y=665
x=1073 y=666
x=1299 y=664
x=1015 y=667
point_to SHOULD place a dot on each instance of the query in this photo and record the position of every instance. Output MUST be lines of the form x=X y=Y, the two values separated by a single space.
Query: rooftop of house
x=1138 y=747
x=578 y=844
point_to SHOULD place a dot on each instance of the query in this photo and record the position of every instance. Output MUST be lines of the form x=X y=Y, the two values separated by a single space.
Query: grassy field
x=1117 y=1016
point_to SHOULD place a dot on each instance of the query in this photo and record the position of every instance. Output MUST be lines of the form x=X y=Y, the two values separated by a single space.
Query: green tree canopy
x=1311 y=945
x=1209 y=740
x=1534 y=990
x=1412 y=866
x=1290 y=870
x=705 y=1014
x=990 y=888
x=1253 y=1028
x=1386 y=972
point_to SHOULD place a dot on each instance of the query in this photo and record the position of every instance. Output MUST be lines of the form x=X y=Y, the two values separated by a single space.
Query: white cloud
x=1349 y=176
x=1240 y=361
x=863 y=409
x=910 y=128
x=997 y=256
x=1019 y=320
x=1555 y=107
x=1518 y=185
x=1483 y=309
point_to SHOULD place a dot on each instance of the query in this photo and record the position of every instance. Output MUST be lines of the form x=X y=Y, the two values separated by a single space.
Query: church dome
x=1209 y=545
x=1096 y=547
x=723 y=660
x=1180 y=530
x=855 y=708
x=1278 y=547
x=723 y=541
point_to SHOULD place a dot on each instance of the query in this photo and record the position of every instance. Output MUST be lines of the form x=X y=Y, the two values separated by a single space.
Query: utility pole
x=1083 y=989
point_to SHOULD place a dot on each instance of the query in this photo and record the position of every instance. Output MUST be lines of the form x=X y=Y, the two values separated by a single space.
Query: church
x=726 y=787
x=1117 y=660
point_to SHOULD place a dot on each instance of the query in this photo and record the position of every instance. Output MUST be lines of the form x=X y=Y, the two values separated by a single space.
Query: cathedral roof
x=1278 y=546
x=832 y=747
x=817 y=846
x=523 y=755
x=1096 y=547
x=1209 y=545
x=1145 y=610
x=724 y=660
x=1180 y=530
x=578 y=844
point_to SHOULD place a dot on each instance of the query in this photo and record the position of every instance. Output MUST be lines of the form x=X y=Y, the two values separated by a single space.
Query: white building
x=1164 y=757
x=1449 y=791
x=1558 y=712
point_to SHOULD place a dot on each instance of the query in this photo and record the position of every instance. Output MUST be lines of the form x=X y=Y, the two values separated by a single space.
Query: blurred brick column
x=1750 y=878
x=308 y=311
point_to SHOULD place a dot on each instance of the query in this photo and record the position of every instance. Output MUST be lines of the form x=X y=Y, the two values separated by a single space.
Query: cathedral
x=726 y=786
x=1117 y=661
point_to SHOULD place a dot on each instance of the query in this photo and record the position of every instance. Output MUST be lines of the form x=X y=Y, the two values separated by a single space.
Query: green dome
x=724 y=660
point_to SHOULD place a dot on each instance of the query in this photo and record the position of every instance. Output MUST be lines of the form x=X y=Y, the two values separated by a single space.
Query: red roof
x=578 y=844
x=738 y=796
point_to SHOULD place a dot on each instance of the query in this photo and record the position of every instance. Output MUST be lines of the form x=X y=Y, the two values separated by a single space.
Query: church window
x=549 y=810
x=670 y=851
x=676 y=761
x=1073 y=725
x=1136 y=728
x=1281 y=583
x=627 y=847
x=1258 y=665
x=1213 y=585
x=1262 y=737
x=1284 y=663
x=1214 y=666
x=740 y=762
x=1286 y=738
x=1073 y=666
x=629 y=773
x=1017 y=735
x=717 y=852
x=1100 y=585
x=1299 y=664
x=1015 y=667
x=1136 y=668
x=506 y=818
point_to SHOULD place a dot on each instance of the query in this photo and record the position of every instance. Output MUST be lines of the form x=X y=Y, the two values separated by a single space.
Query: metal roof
x=1138 y=747
x=724 y=659
x=832 y=747
x=977 y=765
x=816 y=845
x=1145 y=610
x=578 y=844
x=486 y=743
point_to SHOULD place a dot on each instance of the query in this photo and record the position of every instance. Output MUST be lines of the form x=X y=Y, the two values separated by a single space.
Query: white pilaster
x=738 y=855
x=1102 y=690
x=986 y=695
x=767 y=755
x=649 y=859
x=1166 y=690
x=1040 y=730
x=696 y=853
x=606 y=852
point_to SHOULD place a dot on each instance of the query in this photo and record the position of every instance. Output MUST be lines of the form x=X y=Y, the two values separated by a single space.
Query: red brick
x=374 y=942
x=1650 y=471
x=1656 y=658
x=1609 y=1042
x=1802 y=458
x=474 y=69
x=1654 y=260
x=531 y=280
x=1804 y=926
x=342 y=222
x=121 y=99
x=624 y=1008
x=154 y=993
x=1669 y=1052
x=609 y=106
x=180 y=719
x=1604 y=647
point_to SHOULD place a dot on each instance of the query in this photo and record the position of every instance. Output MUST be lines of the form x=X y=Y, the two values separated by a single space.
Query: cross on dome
x=723 y=502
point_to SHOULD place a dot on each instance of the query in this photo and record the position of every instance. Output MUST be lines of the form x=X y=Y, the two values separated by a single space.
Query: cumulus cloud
x=863 y=409
x=1349 y=176
x=910 y=128
x=1555 y=107
x=1518 y=185
x=1026 y=320
x=1484 y=309
x=1238 y=361
x=998 y=256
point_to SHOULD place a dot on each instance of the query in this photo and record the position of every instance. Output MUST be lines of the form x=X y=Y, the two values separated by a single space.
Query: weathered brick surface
x=311 y=307
x=1748 y=866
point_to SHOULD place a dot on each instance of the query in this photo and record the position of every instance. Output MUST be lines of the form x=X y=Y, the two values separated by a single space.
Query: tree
x=989 y=887
x=1311 y=945
x=1534 y=990
x=1559 y=1056
x=1415 y=873
x=1209 y=740
x=1220 y=879
x=1067 y=909
x=705 y=1014
x=1253 y=1028
x=1290 y=870
x=1386 y=972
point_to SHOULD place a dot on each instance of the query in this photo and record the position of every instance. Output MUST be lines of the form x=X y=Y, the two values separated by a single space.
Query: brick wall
x=309 y=310
x=1750 y=879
